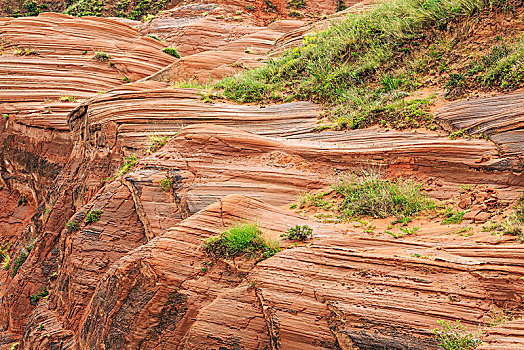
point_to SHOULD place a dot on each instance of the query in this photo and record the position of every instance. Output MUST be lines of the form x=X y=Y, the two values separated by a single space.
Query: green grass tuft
x=378 y=197
x=93 y=216
x=72 y=226
x=171 y=51
x=240 y=239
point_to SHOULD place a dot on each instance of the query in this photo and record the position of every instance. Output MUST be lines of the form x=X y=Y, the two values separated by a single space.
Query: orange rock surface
x=168 y=169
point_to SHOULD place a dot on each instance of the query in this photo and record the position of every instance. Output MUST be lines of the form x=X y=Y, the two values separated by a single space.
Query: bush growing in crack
x=93 y=216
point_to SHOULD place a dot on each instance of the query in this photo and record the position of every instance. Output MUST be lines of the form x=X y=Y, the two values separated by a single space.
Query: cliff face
x=91 y=122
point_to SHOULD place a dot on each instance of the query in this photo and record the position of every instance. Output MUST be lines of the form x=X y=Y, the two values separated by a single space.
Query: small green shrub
x=72 y=226
x=157 y=142
x=129 y=163
x=504 y=68
x=171 y=51
x=240 y=239
x=101 y=56
x=404 y=220
x=409 y=231
x=270 y=7
x=299 y=233
x=35 y=298
x=148 y=18
x=5 y=260
x=250 y=8
x=453 y=217
x=378 y=197
x=519 y=209
x=297 y=4
x=457 y=133
x=18 y=261
x=316 y=200
x=22 y=200
x=166 y=184
x=296 y=14
x=454 y=336
x=512 y=225
x=93 y=216
x=67 y=99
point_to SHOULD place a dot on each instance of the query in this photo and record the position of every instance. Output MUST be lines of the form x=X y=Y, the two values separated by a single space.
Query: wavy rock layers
x=231 y=57
x=504 y=337
x=162 y=286
x=127 y=119
x=500 y=117
x=46 y=69
x=200 y=149
x=202 y=164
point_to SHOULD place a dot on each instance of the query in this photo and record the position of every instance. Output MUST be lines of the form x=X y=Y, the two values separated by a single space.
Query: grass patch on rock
x=364 y=67
x=373 y=195
x=241 y=239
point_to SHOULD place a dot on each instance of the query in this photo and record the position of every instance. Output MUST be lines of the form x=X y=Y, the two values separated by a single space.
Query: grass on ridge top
x=364 y=66
x=240 y=239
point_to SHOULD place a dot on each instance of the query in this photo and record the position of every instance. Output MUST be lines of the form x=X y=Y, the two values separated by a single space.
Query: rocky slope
x=83 y=132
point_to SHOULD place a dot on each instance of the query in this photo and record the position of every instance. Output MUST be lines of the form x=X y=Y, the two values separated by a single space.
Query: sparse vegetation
x=72 y=226
x=157 y=142
x=35 y=298
x=453 y=217
x=132 y=9
x=93 y=216
x=409 y=231
x=4 y=264
x=297 y=4
x=513 y=224
x=500 y=316
x=316 y=200
x=298 y=233
x=129 y=163
x=67 y=99
x=503 y=67
x=404 y=220
x=457 y=133
x=454 y=336
x=166 y=184
x=101 y=56
x=171 y=51
x=24 y=52
x=22 y=200
x=240 y=239
x=378 y=197
x=270 y=7
x=19 y=260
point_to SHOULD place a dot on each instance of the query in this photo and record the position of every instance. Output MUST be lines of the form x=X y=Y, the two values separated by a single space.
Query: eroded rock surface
x=138 y=278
